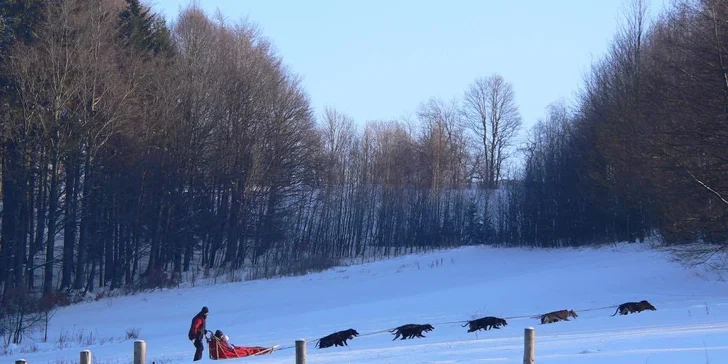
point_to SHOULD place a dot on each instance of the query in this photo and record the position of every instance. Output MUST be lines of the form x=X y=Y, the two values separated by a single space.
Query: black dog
x=411 y=331
x=632 y=307
x=338 y=339
x=485 y=323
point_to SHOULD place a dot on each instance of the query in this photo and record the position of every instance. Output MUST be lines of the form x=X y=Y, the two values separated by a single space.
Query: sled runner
x=221 y=350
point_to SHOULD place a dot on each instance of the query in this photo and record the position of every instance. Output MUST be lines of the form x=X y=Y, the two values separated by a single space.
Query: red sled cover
x=220 y=350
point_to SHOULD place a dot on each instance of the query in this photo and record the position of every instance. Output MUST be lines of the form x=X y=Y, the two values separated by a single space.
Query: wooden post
x=86 y=357
x=140 y=352
x=300 y=351
x=529 y=355
x=21 y=361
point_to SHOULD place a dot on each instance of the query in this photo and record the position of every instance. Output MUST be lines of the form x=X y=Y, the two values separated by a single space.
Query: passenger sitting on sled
x=224 y=338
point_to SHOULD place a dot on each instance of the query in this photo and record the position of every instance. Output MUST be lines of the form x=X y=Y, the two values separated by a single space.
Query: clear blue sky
x=378 y=60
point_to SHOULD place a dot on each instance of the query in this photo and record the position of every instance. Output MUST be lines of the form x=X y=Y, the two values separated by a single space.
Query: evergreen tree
x=17 y=19
x=488 y=228
x=143 y=30
x=474 y=232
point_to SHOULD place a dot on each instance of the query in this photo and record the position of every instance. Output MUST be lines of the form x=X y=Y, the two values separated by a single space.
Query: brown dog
x=338 y=339
x=411 y=331
x=632 y=307
x=556 y=316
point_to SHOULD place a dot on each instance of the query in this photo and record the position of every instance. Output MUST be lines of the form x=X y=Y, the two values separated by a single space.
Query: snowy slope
x=690 y=324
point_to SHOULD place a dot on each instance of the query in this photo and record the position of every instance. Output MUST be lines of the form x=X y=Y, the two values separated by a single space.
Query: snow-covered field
x=689 y=326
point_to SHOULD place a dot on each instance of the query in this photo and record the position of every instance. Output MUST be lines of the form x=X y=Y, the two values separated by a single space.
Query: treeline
x=133 y=151
x=644 y=149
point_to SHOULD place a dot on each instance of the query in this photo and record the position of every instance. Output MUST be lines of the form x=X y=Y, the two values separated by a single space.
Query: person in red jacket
x=197 y=331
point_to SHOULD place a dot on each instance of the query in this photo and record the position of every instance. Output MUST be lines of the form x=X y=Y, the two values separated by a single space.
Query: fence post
x=86 y=357
x=300 y=351
x=140 y=352
x=529 y=355
x=21 y=361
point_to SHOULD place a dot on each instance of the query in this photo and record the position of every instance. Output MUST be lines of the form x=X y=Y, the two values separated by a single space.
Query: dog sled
x=222 y=350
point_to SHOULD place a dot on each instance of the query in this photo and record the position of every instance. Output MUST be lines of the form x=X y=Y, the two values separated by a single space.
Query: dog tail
x=615 y=312
x=392 y=330
x=466 y=324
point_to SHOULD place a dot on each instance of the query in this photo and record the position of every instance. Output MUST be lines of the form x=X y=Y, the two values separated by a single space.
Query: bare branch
x=707 y=187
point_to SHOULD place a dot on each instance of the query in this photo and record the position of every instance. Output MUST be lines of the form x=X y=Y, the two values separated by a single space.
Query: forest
x=135 y=150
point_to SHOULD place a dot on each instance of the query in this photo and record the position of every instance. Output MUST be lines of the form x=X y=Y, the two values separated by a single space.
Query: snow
x=690 y=324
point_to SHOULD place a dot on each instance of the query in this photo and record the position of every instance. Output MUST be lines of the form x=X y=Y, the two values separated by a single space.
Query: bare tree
x=491 y=111
x=441 y=140
x=338 y=136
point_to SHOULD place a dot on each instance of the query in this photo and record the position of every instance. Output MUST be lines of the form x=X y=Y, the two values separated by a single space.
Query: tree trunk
x=12 y=173
x=86 y=234
x=41 y=214
x=52 y=221
x=35 y=223
x=232 y=226
x=71 y=208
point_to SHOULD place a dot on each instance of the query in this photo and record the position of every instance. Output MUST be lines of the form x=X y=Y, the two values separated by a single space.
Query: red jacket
x=197 y=329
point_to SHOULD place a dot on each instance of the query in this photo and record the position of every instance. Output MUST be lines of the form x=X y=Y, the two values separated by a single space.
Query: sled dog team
x=409 y=331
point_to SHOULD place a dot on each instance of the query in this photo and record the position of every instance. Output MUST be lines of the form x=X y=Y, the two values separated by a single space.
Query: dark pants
x=199 y=349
